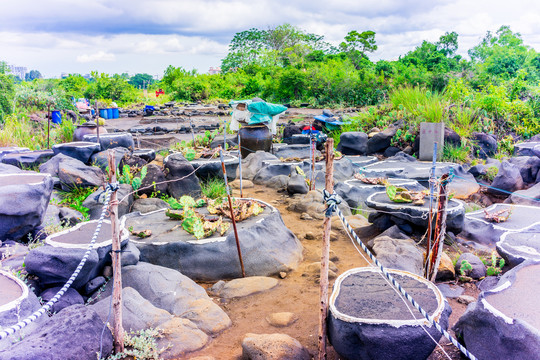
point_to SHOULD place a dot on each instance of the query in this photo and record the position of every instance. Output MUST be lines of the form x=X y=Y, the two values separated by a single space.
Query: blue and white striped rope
x=37 y=314
x=331 y=204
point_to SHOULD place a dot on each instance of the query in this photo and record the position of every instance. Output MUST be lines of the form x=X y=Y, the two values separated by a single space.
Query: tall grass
x=464 y=121
x=19 y=130
x=423 y=104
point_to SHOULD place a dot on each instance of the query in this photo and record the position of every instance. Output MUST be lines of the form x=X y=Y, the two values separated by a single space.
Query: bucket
x=103 y=113
x=110 y=114
x=56 y=117
x=255 y=137
x=115 y=113
x=93 y=112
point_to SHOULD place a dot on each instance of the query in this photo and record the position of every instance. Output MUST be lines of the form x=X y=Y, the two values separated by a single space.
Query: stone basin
x=80 y=150
x=369 y=320
x=355 y=192
x=295 y=151
x=516 y=247
x=418 y=214
x=25 y=197
x=75 y=240
x=268 y=247
x=462 y=186
x=505 y=321
x=206 y=168
x=360 y=161
x=13 y=291
x=477 y=230
x=27 y=159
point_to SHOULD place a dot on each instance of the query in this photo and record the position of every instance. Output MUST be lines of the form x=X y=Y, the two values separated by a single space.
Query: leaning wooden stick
x=232 y=213
x=240 y=166
x=325 y=252
x=118 y=329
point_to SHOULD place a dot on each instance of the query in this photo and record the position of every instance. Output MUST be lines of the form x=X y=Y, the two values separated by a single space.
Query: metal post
x=232 y=213
x=118 y=329
x=327 y=226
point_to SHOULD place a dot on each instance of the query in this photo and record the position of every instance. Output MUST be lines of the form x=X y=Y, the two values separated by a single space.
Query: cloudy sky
x=116 y=36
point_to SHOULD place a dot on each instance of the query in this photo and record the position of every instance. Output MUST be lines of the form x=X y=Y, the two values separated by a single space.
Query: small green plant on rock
x=128 y=177
x=490 y=174
x=464 y=270
x=140 y=345
x=496 y=266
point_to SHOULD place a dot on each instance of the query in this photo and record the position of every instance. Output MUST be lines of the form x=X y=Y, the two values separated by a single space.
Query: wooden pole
x=440 y=229
x=48 y=126
x=329 y=180
x=232 y=214
x=118 y=329
x=430 y=215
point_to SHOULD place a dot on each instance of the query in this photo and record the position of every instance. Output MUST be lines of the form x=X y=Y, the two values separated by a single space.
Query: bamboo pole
x=329 y=180
x=118 y=330
x=312 y=149
x=232 y=214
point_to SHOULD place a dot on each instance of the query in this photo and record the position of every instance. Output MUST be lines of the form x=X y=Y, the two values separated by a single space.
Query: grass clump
x=214 y=188
x=141 y=345
x=75 y=198
x=456 y=154
x=424 y=105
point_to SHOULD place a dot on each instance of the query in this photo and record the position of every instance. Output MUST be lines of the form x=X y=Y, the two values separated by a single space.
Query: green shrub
x=214 y=188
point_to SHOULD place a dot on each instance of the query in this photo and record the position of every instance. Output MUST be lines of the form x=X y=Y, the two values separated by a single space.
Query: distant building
x=19 y=71
x=214 y=70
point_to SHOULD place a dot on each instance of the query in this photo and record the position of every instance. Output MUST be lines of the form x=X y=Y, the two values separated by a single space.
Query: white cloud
x=56 y=36
x=96 y=57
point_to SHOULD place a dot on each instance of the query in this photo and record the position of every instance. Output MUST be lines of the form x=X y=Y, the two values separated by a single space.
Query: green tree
x=141 y=80
x=74 y=85
x=356 y=45
x=281 y=45
x=501 y=54
x=32 y=74
x=448 y=44
x=7 y=91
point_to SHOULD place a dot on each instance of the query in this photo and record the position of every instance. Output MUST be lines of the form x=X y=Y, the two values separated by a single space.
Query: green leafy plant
x=490 y=174
x=140 y=345
x=128 y=176
x=496 y=266
x=75 y=197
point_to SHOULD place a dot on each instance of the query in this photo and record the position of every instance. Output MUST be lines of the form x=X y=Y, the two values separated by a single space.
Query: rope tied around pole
x=331 y=201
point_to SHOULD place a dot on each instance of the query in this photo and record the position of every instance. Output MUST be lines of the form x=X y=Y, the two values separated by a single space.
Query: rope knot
x=331 y=201
x=113 y=186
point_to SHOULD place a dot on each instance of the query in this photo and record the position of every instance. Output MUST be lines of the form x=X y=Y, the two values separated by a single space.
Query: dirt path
x=297 y=293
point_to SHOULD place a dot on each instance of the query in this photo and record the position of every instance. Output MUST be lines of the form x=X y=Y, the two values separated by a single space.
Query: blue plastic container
x=56 y=117
x=93 y=112
x=110 y=114
x=115 y=113
x=103 y=113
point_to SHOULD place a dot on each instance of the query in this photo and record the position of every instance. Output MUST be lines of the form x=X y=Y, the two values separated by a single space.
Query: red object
x=159 y=92
x=308 y=127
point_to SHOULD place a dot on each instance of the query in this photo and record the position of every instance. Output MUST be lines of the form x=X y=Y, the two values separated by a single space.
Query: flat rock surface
x=520 y=300
x=367 y=295
x=516 y=247
x=246 y=286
